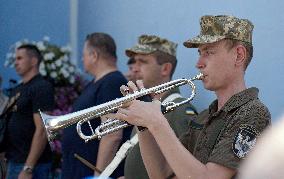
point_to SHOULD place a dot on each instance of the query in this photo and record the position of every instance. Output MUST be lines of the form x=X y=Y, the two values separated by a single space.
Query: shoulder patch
x=244 y=140
x=189 y=111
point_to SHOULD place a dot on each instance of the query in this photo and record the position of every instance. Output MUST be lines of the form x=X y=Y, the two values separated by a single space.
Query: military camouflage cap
x=216 y=28
x=150 y=43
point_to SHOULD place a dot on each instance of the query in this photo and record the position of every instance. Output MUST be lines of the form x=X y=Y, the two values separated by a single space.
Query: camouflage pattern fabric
x=150 y=43
x=216 y=28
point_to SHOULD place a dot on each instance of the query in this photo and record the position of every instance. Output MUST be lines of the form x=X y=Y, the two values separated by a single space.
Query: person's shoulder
x=40 y=80
x=253 y=114
x=118 y=75
x=115 y=78
x=256 y=103
x=254 y=108
x=40 y=83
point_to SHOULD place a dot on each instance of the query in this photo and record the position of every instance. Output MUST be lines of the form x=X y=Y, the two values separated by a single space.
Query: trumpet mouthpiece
x=200 y=76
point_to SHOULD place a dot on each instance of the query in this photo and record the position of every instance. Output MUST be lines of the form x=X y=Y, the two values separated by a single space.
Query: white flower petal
x=40 y=45
x=66 y=49
x=58 y=62
x=17 y=44
x=72 y=79
x=49 y=56
x=71 y=69
x=53 y=74
x=52 y=66
x=42 y=72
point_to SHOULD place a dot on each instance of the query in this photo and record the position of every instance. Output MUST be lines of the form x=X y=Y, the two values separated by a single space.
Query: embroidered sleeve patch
x=244 y=140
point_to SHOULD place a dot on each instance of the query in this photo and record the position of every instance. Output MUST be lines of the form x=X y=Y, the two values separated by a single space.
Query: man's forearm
x=38 y=145
x=155 y=163
x=183 y=163
x=107 y=149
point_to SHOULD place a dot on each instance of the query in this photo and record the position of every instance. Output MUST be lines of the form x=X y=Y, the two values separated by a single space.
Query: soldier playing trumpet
x=155 y=62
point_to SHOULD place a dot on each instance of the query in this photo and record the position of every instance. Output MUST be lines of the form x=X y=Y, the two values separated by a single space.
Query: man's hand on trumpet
x=139 y=113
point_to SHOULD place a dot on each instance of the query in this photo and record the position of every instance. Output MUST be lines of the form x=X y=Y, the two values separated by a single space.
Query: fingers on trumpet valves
x=132 y=86
x=108 y=116
x=140 y=85
x=126 y=105
x=121 y=114
x=157 y=101
x=124 y=90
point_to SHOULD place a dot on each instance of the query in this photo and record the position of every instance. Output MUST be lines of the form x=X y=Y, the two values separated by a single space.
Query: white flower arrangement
x=56 y=63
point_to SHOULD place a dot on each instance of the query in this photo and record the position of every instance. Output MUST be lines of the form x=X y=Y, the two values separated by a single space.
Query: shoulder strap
x=10 y=104
x=3 y=102
x=119 y=156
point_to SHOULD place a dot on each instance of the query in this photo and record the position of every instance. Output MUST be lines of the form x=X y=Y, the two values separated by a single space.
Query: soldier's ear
x=240 y=55
x=166 y=69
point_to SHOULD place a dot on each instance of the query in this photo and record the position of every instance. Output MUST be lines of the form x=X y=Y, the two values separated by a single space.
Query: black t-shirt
x=34 y=95
x=95 y=93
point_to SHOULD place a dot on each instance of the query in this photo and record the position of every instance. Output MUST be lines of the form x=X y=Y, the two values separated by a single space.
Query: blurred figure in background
x=131 y=74
x=3 y=103
x=266 y=161
x=99 y=58
x=27 y=151
x=3 y=98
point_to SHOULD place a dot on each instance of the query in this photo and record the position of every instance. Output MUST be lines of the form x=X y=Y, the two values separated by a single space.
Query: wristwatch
x=28 y=169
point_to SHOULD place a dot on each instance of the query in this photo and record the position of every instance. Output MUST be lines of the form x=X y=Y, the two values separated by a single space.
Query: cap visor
x=137 y=50
x=202 y=39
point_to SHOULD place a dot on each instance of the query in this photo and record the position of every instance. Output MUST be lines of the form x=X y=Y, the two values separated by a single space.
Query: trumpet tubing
x=54 y=123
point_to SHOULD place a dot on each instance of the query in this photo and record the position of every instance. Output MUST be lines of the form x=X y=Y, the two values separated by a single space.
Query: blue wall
x=179 y=20
x=31 y=20
x=176 y=20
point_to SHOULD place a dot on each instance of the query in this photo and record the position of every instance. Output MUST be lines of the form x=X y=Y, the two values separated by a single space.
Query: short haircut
x=32 y=51
x=249 y=48
x=103 y=43
x=163 y=58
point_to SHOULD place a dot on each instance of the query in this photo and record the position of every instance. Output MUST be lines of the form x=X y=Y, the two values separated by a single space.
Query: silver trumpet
x=53 y=124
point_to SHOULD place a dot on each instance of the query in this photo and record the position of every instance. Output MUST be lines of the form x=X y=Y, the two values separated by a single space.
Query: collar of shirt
x=235 y=101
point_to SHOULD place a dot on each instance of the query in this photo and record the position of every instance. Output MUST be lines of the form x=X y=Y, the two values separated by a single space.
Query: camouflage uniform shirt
x=212 y=136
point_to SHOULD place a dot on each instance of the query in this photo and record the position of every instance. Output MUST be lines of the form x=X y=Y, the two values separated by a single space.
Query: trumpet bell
x=47 y=119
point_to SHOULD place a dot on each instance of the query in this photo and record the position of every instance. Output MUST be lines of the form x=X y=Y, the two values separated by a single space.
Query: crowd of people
x=182 y=143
